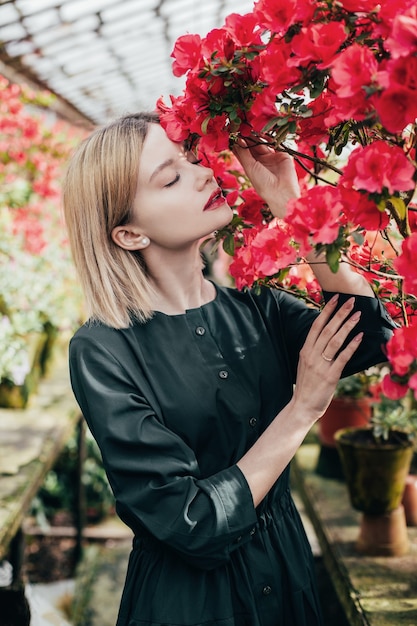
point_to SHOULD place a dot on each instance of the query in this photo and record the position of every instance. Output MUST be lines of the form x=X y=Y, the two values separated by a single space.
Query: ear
x=129 y=238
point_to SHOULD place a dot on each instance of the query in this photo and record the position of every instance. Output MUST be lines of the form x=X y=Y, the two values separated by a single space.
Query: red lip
x=214 y=198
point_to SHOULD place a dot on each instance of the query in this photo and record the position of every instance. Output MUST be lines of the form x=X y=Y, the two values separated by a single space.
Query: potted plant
x=351 y=406
x=376 y=460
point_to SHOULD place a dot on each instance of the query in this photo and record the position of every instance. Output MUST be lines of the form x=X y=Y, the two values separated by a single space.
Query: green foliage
x=59 y=489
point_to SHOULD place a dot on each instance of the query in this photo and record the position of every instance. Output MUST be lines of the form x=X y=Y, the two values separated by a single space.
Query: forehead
x=157 y=147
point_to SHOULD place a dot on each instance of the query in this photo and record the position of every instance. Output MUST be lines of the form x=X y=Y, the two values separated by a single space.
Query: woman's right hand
x=322 y=361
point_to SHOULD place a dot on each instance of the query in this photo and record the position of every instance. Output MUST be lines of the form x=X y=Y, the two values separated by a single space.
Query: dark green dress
x=174 y=404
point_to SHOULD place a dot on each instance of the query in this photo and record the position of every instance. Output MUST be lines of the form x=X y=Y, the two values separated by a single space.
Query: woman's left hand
x=271 y=173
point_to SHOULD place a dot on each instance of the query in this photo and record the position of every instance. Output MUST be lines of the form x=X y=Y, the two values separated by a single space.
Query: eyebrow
x=160 y=167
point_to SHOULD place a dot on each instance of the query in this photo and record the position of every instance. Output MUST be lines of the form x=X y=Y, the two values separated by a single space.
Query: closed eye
x=176 y=179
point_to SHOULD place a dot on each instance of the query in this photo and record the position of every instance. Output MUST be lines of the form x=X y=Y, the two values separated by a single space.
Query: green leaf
x=333 y=258
x=229 y=244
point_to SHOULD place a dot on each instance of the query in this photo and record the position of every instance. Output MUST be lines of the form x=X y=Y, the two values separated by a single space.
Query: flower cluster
x=332 y=83
x=37 y=281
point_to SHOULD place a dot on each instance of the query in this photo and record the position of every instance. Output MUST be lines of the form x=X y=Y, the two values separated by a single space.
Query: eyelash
x=177 y=177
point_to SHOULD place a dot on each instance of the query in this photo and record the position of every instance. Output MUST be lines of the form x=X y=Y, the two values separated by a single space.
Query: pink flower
x=173 y=120
x=251 y=207
x=403 y=38
x=396 y=107
x=272 y=250
x=276 y=15
x=244 y=29
x=406 y=264
x=392 y=389
x=353 y=69
x=379 y=166
x=402 y=349
x=274 y=68
x=186 y=54
x=317 y=43
x=361 y=210
x=315 y=216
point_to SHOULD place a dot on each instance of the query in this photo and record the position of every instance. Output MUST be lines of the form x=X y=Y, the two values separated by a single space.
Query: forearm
x=266 y=459
x=345 y=280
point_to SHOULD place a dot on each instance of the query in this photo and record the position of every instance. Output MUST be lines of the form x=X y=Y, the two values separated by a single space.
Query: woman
x=188 y=388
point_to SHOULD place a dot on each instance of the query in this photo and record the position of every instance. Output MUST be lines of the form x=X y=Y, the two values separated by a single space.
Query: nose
x=205 y=175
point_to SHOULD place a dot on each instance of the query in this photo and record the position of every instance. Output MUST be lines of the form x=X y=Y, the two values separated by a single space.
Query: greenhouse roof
x=103 y=57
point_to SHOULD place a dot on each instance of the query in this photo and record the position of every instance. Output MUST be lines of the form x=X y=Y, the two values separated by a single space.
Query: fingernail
x=349 y=303
x=355 y=317
x=358 y=337
x=334 y=299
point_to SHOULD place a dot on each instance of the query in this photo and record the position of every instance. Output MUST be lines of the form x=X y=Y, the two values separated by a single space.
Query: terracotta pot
x=341 y=413
x=384 y=535
x=409 y=500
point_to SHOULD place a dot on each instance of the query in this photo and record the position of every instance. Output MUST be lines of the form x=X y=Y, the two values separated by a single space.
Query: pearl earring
x=144 y=241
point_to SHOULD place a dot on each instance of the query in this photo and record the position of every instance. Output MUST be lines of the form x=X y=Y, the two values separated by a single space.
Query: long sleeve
x=294 y=318
x=154 y=474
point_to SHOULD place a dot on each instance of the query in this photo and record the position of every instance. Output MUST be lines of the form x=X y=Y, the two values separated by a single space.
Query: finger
x=346 y=354
x=328 y=326
x=321 y=321
x=330 y=349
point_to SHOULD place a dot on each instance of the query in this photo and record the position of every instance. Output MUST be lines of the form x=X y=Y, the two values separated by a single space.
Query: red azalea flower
x=379 y=166
x=317 y=43
x=173 y=120
x=406 y=265
x=251 y=207
x=352 y=70
x=242 y=267
x=403 y=38
x=360 y=210
x=312 y=129
x=392 y=389
x=220 y=41
x=359 y=6
x=396 y=107
x=315 y=216
x=276 y=15
x=402 y=349
x=244 y=29
x=272 y=250
x=186 y=54
x=274 y=69
x=262 y=110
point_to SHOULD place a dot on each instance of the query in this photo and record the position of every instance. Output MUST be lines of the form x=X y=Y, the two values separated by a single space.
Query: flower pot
x=383 y=535
x=341 y=413
x=376 y=473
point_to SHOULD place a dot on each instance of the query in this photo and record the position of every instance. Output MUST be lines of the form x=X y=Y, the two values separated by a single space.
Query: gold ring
x=326 y=358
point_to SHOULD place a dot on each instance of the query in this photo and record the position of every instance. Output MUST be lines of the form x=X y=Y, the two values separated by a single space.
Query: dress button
x=253 y=422
x=266 y=590
x=200 y=330
x=223 y=374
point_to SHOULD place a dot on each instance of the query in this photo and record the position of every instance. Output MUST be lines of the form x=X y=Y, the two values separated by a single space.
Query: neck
x=178 y=282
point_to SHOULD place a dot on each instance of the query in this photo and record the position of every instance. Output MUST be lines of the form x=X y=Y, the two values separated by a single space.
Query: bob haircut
x=98 y=194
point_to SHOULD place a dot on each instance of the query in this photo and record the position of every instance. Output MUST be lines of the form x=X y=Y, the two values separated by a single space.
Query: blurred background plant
x=39 y=294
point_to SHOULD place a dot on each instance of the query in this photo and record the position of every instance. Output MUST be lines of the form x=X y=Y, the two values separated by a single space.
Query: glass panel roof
x=104 y=57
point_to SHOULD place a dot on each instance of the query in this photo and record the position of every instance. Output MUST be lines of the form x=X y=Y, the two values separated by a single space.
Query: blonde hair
x=98 y=193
